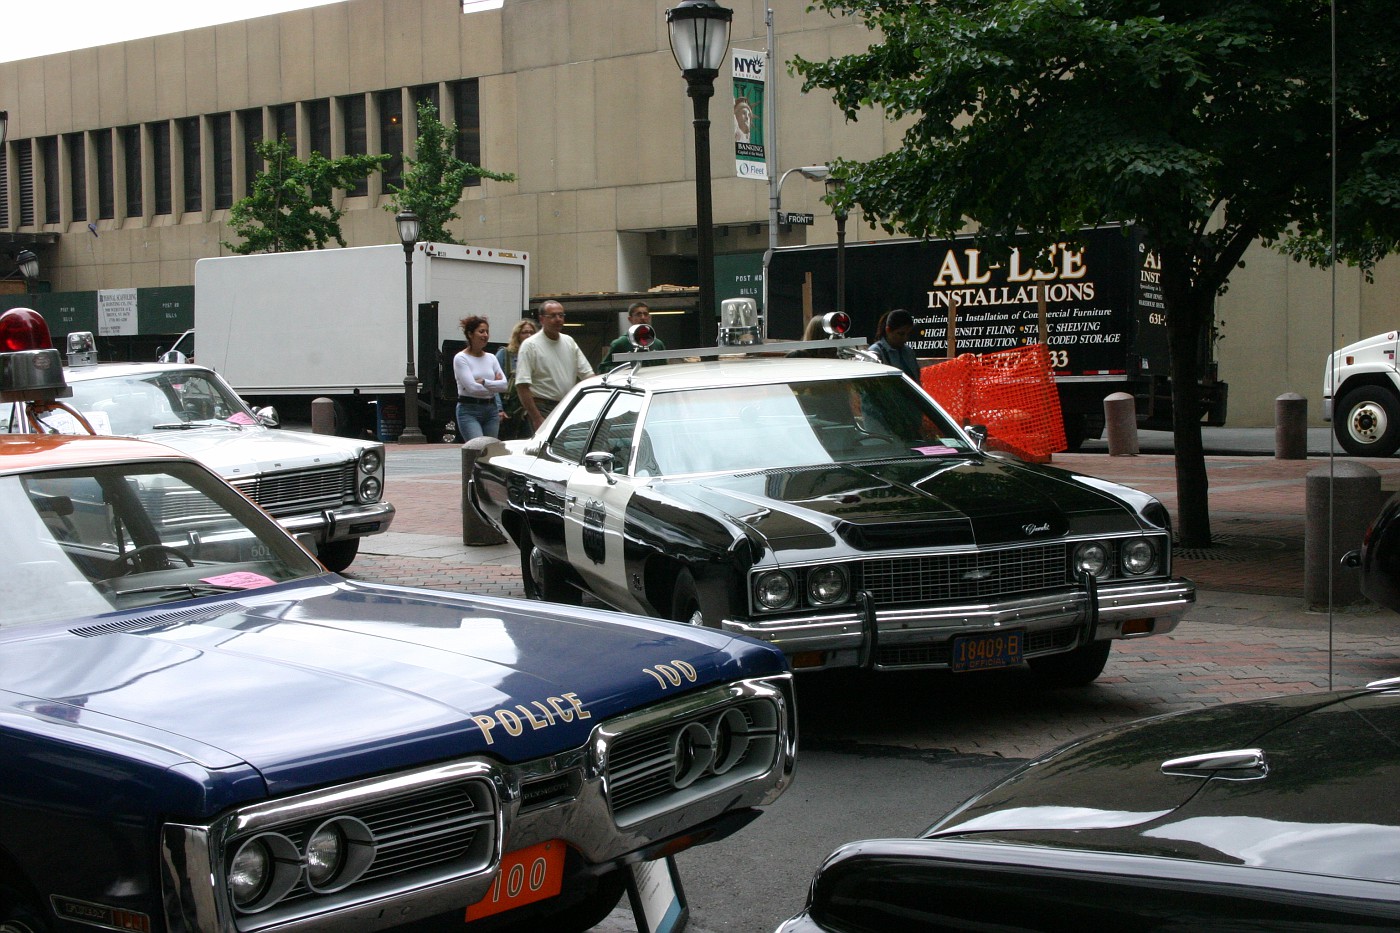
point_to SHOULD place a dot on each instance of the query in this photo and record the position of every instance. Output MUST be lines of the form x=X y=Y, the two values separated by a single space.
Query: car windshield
x=764 y=427
x=149 y=403
x=80 y=542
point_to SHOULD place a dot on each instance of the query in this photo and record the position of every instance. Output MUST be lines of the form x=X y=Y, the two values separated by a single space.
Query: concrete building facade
x=121 y=161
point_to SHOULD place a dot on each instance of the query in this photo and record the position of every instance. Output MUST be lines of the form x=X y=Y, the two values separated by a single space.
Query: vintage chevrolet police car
x=203 y=730
x=830 y=507
x=330 y=488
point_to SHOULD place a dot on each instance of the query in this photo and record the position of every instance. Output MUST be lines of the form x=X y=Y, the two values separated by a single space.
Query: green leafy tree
x=433 y=182
x=291 y=206
x=1206 y=122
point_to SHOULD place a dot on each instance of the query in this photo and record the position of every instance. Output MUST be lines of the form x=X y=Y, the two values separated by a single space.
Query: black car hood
x=1326 y=805
x=940 y=501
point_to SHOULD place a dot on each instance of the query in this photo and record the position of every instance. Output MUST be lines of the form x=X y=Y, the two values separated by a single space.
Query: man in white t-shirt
x=549 y=365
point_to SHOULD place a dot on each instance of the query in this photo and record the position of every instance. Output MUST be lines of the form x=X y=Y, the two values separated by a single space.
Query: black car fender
x=665 y=539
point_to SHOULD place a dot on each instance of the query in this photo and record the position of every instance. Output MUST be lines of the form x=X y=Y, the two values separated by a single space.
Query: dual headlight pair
x=776 y=590
x=1135 y=557
x=266 y=867
x=370 y=486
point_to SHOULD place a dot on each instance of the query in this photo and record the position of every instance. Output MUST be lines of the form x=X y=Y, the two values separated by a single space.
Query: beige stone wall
x=583 y=101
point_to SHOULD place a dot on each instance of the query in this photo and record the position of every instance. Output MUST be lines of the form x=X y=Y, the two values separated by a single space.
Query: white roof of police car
x=103 y=370
x=734 y=371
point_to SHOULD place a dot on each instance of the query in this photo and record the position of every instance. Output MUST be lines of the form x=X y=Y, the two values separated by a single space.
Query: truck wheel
x=1367 y=422
x=337 y=555
x=1075 y=668
x=543 y=577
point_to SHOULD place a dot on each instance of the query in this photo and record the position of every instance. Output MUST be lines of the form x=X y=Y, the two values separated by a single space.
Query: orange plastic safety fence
x=1009 y=391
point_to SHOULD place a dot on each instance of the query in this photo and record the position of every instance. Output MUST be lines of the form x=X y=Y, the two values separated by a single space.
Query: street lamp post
x=408 y=236
x=809 y=172
x=833 y=188
x=699 y=40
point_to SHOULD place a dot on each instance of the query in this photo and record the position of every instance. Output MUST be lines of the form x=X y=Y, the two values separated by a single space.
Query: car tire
x=685 y=601
x=1076 y=668
x=338 y=555
x=543 y=577
x=17 y=915
x=1367 y=422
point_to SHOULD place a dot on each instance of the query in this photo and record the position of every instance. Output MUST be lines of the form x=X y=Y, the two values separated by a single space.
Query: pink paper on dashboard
x=239 y=417
x=934 y=451
x=241 y=579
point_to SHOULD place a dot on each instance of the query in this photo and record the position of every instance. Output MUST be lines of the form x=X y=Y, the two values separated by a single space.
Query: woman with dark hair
x=479 y=381
x=893 y=346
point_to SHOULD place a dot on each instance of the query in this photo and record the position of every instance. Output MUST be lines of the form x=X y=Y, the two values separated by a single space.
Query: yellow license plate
x=986 y=652
x=526 y=876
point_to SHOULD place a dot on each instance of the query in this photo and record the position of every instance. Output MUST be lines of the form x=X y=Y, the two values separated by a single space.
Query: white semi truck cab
x=1361 y=396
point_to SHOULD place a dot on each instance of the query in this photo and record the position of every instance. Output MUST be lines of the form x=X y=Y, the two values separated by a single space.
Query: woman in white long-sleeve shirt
x=479 y=381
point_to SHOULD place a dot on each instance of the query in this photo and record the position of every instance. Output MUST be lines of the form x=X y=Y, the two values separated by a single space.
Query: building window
x=77 y=174
x=356 y=139
x=221 y=135
x=466 y=113
x=4 y=189
x=48 y=151
x=251 y=122
x=318 y=118
x=131 y=150
x=428 y=92
x=189 y=146
x=25 y=153
x=391 y=135
x=284 y=124
x=106 y=187
x=160 y=166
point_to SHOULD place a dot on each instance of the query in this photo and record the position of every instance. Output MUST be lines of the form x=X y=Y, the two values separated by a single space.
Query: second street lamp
x=833 y=190
x=699 y=41
x=408 y=235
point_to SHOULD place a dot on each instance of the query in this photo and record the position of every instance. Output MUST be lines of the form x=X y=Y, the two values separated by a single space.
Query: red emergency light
x=641 y=336
x=23 y=329
x=836 y=323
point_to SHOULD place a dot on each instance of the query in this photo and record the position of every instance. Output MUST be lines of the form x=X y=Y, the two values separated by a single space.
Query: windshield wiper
x=191 y=425
x=193 y=589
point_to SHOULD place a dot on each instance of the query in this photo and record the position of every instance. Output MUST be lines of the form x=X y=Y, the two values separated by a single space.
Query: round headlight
x=1139 y=557
x=731 y=740
x=337 y=854
x=774 y=590
x=370 y=488
x=371 y=461
x=248 y=874
x=827 y=585
x=692 y=754
x=1091 y=559
x=262 y=871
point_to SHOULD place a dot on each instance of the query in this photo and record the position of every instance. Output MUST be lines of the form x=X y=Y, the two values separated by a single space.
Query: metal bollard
x=1290 y=427
x=476 y=530
x=1120 y=424
x=1341 y=501
x=322 y=416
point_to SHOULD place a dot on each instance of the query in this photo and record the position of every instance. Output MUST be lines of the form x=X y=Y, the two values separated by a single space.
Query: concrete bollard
x=1290 y=427
x=322 y=416
x=476 y=530
x=1341 y=502
x=1120 y=424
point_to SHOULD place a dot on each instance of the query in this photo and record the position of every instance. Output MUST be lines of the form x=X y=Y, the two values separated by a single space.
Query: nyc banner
x=750 y=159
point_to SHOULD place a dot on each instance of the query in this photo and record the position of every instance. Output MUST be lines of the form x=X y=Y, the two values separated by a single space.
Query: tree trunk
x=1189 y=312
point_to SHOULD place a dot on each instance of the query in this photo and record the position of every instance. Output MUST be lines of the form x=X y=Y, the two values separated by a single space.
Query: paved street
x=888 y=754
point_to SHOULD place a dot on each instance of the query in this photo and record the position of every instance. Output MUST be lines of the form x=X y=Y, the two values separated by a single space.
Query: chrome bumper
x=342 y=524
x=848 y=637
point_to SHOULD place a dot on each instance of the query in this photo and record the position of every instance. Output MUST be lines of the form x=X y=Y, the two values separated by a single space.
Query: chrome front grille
x=965 y=575
x=301 y=490
x=654 y=770
x=421 y=836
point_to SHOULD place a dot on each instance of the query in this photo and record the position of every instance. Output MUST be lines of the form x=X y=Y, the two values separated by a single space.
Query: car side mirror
x=978 y=433
x=600 y=461
x=268 y=417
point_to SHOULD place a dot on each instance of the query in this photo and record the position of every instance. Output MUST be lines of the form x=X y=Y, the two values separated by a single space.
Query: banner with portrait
x=751 y=159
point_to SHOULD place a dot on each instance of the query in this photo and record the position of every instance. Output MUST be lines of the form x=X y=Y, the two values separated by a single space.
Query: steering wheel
x=134 y=555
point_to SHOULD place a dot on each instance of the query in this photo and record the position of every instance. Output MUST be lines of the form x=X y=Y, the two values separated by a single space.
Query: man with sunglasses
x=549 y=365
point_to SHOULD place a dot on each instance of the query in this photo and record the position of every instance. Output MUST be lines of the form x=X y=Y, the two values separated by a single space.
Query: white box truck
x=286 y=328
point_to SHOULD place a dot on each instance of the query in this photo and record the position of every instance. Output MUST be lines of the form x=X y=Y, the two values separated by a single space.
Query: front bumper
x=903 y=638
x=341 y=524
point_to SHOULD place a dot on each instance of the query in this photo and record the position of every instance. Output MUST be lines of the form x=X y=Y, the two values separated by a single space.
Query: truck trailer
x=1105 y=315
x=286 y=328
